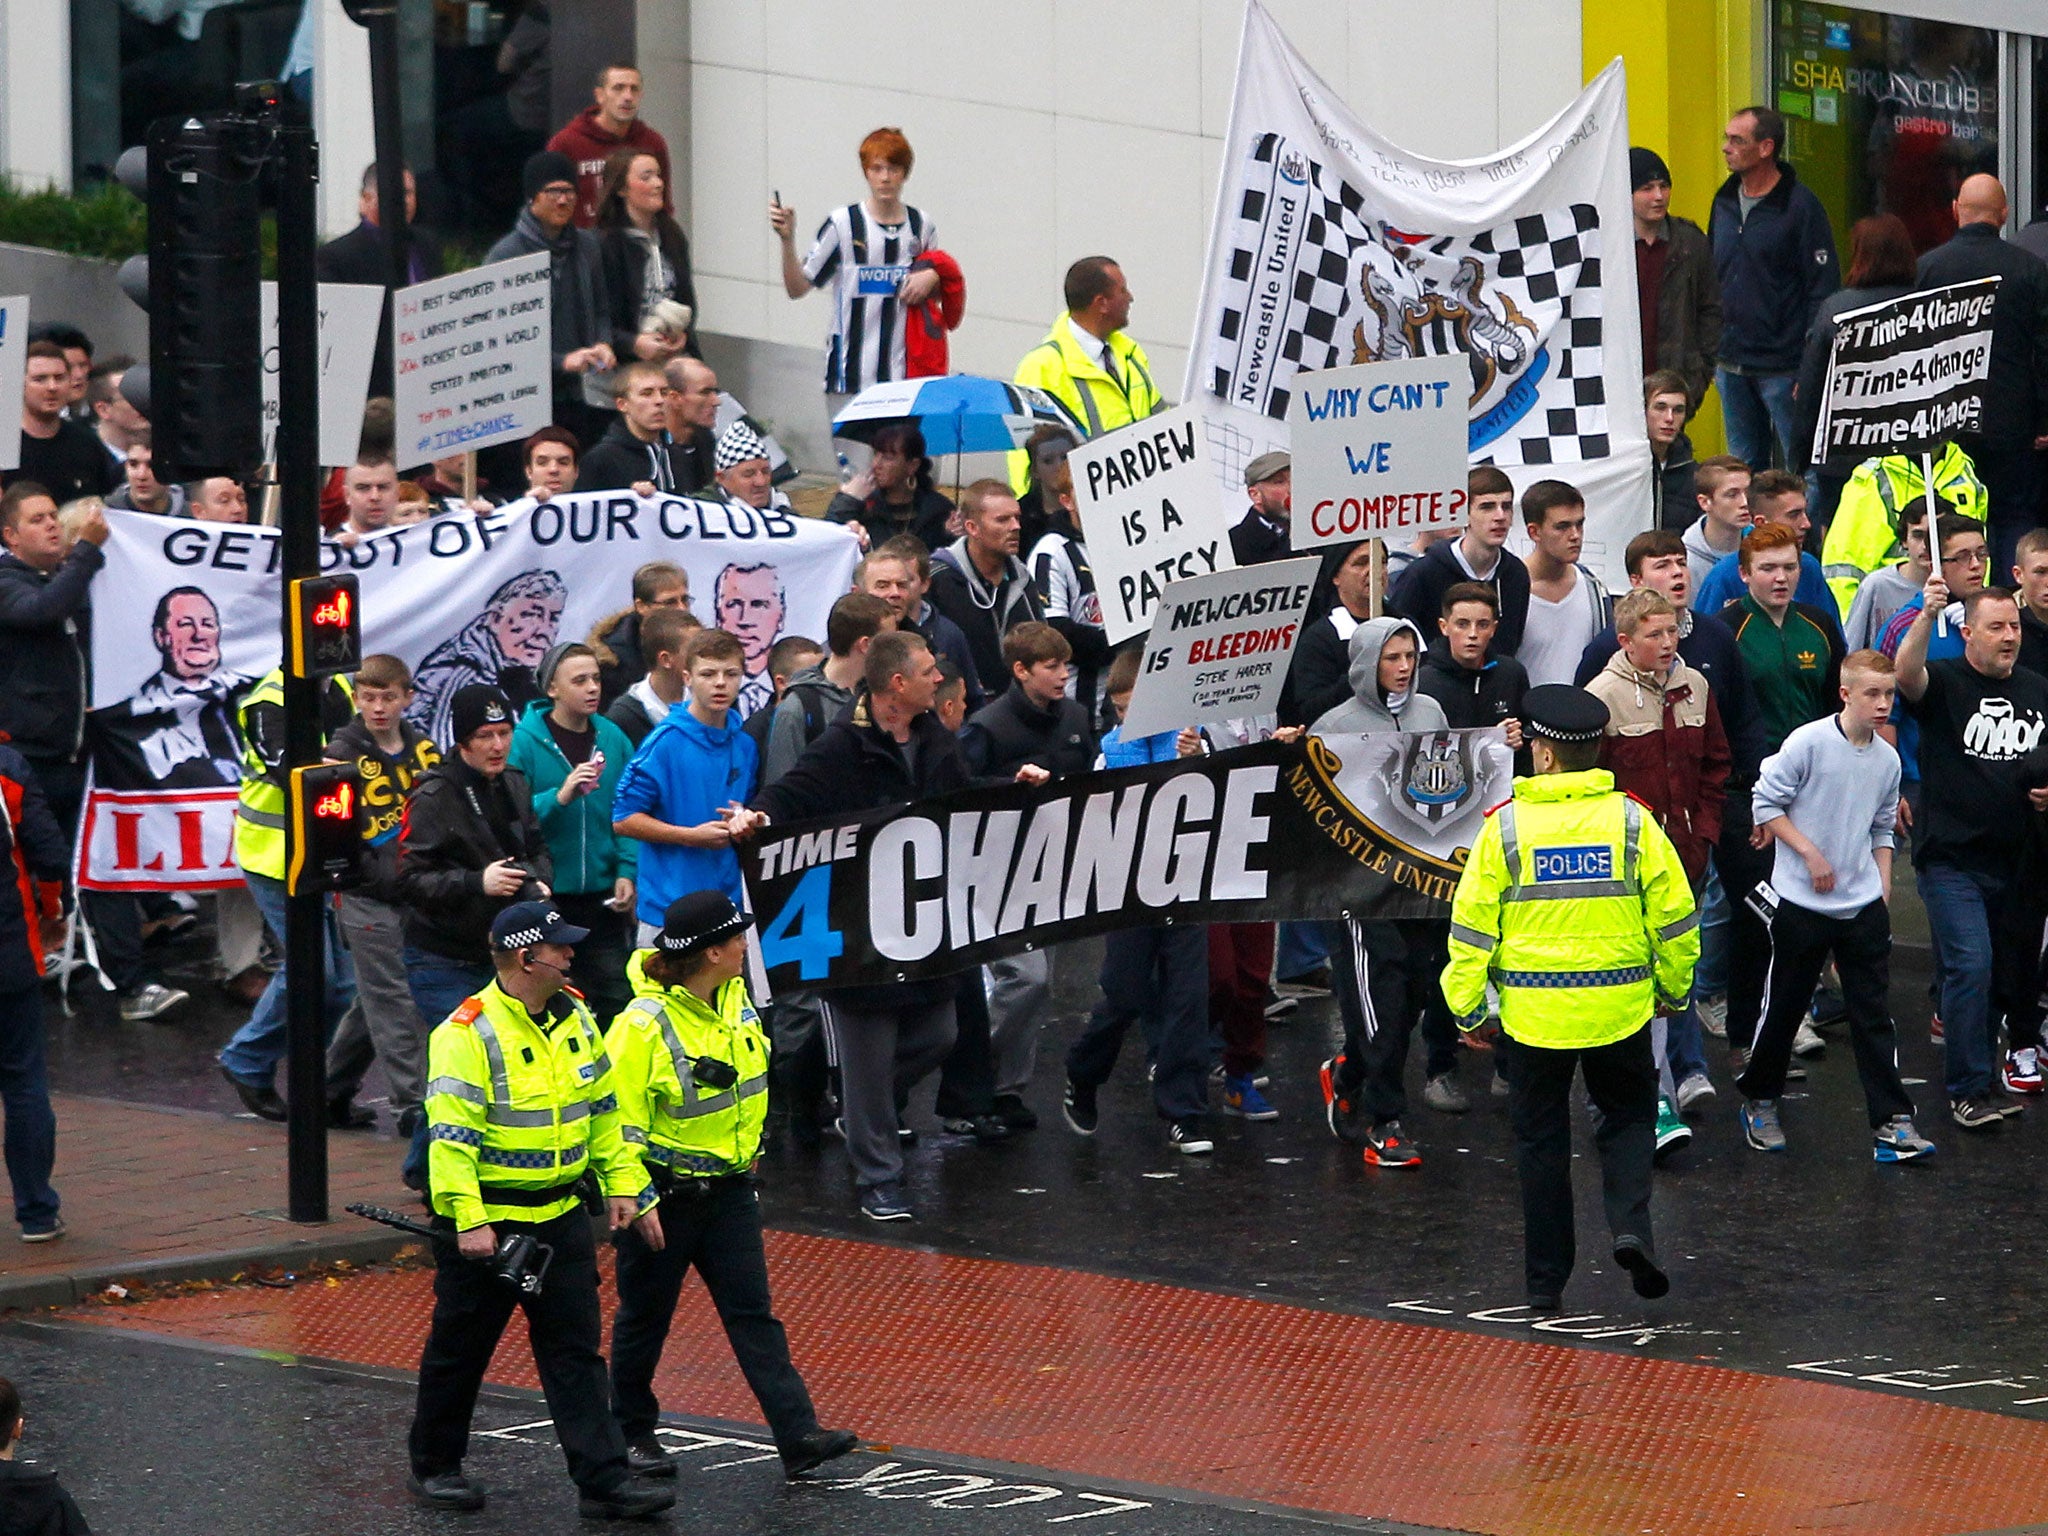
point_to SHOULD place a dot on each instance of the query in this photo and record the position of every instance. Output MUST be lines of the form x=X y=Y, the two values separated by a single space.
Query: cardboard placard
x=1220 y=646
x=1151 y=514
x=13 y=363
x=349 y=317
x=1379 y=449
x=470 y=359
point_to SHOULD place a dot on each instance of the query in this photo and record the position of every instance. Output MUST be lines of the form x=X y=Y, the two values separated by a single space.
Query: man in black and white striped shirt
x=864 y=252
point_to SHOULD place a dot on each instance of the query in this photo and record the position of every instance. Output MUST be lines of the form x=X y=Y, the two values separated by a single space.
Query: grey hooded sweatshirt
x=1371 y=710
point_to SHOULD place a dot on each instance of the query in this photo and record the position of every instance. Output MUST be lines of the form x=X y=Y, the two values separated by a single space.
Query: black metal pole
x=298 y=473
x=382 y=21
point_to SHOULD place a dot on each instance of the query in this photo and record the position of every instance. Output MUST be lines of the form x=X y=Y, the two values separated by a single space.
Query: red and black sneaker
x=1337 y=1105
x=1386 y=1147
x=2023 y=1070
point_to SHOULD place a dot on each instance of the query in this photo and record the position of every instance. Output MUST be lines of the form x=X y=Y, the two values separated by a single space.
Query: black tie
x=1109 y=366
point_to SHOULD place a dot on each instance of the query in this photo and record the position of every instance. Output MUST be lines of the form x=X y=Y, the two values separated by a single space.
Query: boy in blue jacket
x=676 y=796
x=1156 y=978
x=573 y=758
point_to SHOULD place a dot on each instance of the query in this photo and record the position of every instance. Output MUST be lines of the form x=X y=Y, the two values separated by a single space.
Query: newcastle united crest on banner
x=1315 y=280
x=1406 y=805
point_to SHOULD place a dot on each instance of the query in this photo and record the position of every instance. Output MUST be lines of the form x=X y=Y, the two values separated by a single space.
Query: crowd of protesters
x=1800 y=653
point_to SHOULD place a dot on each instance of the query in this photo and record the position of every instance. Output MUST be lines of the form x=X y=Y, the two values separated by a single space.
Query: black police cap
x=1560 y=712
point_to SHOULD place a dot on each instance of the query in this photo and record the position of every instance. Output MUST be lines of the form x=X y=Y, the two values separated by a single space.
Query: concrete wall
x=1045 y=130
x=80 y=290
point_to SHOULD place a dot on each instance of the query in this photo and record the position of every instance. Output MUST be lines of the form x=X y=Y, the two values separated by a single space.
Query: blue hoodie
x=1163 y=747
x=686 y=772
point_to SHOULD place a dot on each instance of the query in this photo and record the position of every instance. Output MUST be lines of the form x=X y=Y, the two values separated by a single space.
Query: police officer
x=249 y=1060
x=519 y=1105
x=1575 y=906
x=690 y=1068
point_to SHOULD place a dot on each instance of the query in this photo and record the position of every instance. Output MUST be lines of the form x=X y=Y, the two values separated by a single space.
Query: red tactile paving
x=1254 y=1400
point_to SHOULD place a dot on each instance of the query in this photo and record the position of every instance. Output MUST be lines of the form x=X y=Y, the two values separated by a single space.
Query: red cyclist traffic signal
x=327 y=836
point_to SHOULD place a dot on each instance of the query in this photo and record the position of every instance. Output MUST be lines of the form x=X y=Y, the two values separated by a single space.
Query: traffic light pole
x=298 y=473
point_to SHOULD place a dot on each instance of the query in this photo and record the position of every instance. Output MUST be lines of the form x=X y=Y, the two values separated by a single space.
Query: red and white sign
x=153 y=840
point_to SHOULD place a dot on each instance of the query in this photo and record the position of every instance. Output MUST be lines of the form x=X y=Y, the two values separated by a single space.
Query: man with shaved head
x=2015 y=420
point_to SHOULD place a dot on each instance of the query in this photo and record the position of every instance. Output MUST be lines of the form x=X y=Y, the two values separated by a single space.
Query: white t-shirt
x=1556 y=634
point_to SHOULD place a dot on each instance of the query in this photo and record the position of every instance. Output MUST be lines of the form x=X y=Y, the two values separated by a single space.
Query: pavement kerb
x=26 y=1292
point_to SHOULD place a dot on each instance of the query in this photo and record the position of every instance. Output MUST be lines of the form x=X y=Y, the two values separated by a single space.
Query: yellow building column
x=1691 y=64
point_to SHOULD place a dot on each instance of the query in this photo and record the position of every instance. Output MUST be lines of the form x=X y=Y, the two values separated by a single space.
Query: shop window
x=1885 y=114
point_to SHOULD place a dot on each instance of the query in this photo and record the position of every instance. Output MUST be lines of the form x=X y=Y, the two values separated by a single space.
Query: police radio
x=326 y=627
x=326 y=803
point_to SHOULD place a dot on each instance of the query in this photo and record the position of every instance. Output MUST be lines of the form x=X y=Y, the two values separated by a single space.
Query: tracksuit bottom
x=1621 y=1078
x=1862 y=944
x=472 y=1306
x=1158 y=979
x=1388 y=976
x=715 y=1225
x=883 y=1054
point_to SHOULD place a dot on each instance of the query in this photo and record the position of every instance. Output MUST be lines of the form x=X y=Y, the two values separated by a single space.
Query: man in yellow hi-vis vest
x=520 y=1108
x=1087 y=362
x=1576 y=907
x=249 y=1061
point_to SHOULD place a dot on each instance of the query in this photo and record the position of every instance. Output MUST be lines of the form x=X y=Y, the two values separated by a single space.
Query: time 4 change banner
x=1362 y=826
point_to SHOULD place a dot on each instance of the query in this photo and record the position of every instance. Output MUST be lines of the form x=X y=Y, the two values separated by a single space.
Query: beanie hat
x=475 y=706
x=737 y=444
x=1646 y=165
x=544 y=170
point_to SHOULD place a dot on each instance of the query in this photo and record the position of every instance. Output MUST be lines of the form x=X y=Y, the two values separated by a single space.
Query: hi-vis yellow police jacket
x=1575 y=906
x=517 y=1108
x=666 y=1115
x=1060 y=367
x=1866 y=530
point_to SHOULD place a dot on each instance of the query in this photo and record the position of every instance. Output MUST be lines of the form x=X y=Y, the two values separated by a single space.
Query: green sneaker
x=1672 y=1132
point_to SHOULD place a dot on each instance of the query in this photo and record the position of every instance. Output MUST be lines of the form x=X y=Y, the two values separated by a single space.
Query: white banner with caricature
x=185 y=618
x=1333 y=245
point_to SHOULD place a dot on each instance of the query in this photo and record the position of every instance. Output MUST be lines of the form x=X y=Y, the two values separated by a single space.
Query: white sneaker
x=1713 y=1015
x=1807 y=1042
x=150 y=1002
x=1696 y=1089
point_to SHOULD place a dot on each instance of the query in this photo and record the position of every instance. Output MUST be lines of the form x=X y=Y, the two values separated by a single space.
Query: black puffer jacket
x=1011 y=732
x=45 y=651
x=452 y=830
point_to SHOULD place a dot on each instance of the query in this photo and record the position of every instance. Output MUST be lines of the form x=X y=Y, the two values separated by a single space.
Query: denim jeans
x=1756 y=408
x=1959 y=906
x=1300 y=948
x=31 y=1140
x=259 y=1045
x=1710 y=978
x=439 y=985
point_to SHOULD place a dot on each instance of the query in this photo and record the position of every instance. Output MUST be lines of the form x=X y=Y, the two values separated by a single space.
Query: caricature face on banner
x=186 y=618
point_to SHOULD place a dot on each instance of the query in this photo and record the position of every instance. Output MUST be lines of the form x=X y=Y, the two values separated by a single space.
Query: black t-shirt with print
x=1981 y=750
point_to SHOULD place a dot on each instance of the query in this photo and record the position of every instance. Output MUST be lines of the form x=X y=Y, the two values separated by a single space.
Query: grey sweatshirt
x=1369 y=709
x=1841 y=797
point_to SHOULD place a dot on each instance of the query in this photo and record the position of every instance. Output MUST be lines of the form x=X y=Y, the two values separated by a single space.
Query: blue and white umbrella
x=960 y=413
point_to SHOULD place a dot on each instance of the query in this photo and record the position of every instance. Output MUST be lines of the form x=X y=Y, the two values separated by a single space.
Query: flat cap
x=1266 y=466
x=1560 y=712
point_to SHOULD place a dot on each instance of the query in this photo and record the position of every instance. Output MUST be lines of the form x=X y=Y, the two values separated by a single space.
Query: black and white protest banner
x=1379 y=450
x=1332 y=244
x=1365 y=826
x=470 y=359
x=13 y=363
x=185 y=618
x=1906 y=375
x=350 y=314
x=1150 y=514
x=1219 y=647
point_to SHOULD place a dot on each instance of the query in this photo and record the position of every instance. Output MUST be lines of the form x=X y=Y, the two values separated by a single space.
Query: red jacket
x=1666 y=747
x=924 y=336
x=587 y=141
x=36 y=856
